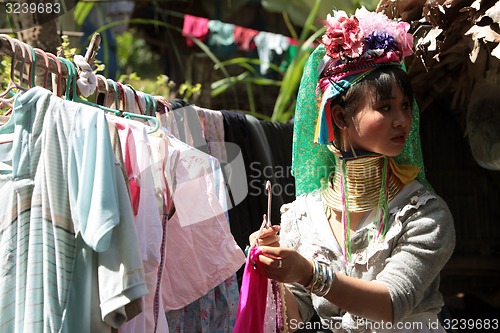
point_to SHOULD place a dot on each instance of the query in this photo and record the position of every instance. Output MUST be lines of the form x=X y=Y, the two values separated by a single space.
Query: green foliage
x=65 y=49
x=4 y=72
x=298 y=10
x=162 y=85
x=134 y=55
x=4 y=77
x=82 y=10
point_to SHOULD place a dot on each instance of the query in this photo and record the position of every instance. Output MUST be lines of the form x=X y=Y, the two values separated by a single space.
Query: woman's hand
x=268 y=237
x=285 y=265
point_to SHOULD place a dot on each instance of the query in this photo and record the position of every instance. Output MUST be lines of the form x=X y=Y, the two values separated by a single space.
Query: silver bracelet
x=327 y=282
x=322 y=279
x=314 y=278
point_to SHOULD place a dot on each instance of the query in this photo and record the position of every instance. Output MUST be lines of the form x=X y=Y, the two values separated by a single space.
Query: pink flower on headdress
x=343 y=37
x=404 y=39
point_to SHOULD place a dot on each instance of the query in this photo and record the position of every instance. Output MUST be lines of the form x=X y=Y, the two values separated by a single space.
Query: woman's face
x=381 y=126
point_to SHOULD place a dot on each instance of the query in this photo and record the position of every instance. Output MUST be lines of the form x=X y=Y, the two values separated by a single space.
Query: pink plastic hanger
x=47 y=64
x=58 y=89
x=13 y=84
x=32 y=64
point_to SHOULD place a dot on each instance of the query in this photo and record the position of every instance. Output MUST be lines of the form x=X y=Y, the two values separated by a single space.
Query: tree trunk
x=38 y=29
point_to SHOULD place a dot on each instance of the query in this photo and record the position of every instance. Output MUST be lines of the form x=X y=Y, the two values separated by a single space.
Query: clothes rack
x=144 y=167
x=54 y=65
x=260 y=164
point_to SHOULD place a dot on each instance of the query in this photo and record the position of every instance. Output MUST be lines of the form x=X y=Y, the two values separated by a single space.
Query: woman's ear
x=338 y=115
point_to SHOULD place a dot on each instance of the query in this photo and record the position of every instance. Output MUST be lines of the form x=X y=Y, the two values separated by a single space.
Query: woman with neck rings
x=366 y=238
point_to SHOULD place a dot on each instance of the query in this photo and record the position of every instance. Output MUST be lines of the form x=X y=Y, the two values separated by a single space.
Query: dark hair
x=382 y=81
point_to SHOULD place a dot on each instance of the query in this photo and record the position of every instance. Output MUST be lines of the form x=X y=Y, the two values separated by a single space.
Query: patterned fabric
x=213 y=313
x=212 y=125
x=421 y=234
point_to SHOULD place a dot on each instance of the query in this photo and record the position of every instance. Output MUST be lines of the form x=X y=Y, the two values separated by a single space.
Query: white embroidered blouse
x=418 y=243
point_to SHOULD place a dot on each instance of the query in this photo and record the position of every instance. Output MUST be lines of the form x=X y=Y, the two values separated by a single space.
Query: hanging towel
x=221 y=39
x=195 y=27
x=268 y=44
x=243 y=38
x=212 y=125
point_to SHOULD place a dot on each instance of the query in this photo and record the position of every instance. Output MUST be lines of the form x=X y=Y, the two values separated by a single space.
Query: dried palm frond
x=457 y=44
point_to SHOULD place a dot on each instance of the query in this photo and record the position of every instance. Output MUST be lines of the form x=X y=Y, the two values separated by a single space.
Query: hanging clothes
x=195 y=27
x=201 y=251
x=221 y=39
x=125 y=215
x=137 y=148
x=215 y=311
x=212 y=126
x=264 y=166
x=66 y=212
x=279 y=139
x=243 y=38
x=245 y=216
x=270 y=45
x=189 y=127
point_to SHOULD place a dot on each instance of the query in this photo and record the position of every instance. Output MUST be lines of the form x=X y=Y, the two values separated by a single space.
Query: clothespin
x=92 y=49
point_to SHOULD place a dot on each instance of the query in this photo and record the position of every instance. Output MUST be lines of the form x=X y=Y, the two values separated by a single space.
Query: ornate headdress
x=354 y=47
x=351 y=48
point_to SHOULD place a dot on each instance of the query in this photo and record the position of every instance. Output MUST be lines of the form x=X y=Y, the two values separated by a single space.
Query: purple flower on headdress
x=378 y=40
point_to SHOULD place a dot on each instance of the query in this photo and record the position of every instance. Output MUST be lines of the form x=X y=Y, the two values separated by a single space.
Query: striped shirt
x=62 y=188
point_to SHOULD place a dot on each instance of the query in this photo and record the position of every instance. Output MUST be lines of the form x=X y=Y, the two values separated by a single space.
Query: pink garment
x=212 y=125
x=253 y=297
x=136 y=147
x=128 y=150
x=243 y=38
x=195 y=27
x=200 y=250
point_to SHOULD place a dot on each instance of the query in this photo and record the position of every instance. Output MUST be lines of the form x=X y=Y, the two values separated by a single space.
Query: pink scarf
x=253 y=297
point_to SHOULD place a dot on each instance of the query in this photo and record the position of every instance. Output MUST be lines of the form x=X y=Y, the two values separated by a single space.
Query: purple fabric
x=253 y=297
